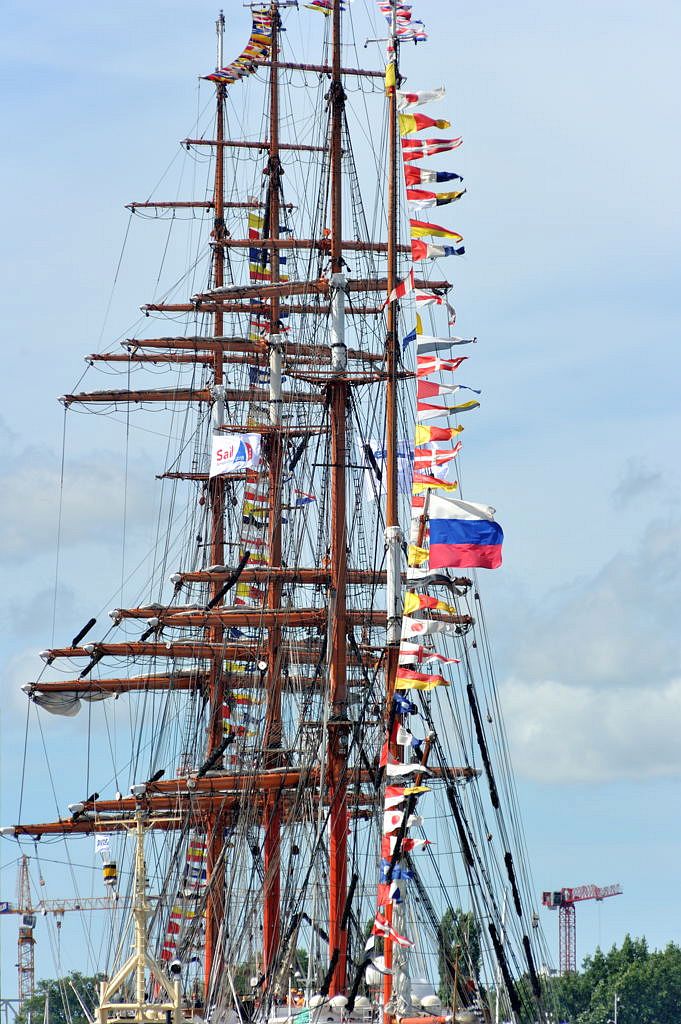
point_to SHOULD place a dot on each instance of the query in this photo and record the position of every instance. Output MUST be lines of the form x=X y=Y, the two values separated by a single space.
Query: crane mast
x=563 y=900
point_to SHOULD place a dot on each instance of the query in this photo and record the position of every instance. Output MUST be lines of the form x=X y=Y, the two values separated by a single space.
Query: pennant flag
x=397 y=874
x=406 y=679
x=420 y=176
x=417 y=602
x=397 y=771
x=422 y=228
x=422 y=435
x=425 y=627
x=421 y=250
x=408 y=338
x=406 y=739
x=426 y=482
x=426 y=578
x=422 y=200
x=417 y=149
x=392 y=821
x=463 y=534
x=431 y=412
x=403 y=288
x=416 y=555
x=435 y=346
x=426 y=297
x=432 y=388
x=394 y=795
x=425 y=365
x=416 y=790
x=417 y=653
x=409 y=123
x=407 y=100
x=258 y=47
x=403 y=705
x=428 y=458
x=381 y=927
x=303 y=499
x=234 y=452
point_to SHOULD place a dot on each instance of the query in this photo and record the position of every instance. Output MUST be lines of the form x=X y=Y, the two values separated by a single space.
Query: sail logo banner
x=234 y=452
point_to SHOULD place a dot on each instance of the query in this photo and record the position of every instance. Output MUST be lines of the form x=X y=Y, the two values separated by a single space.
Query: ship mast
x=338 y=400
x=215 y=868
x=272 y=741
x=393 y=534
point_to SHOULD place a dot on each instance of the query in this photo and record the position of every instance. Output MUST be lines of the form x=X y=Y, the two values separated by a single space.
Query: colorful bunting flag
x=416 y=555
x=423 y=229
x=407 y=100
x=423 y=200
x=425 y=627
x=421 y=250
x=427 y=365
x=409 y=123
x=418 y=602
x=422 y=435
x=421 y=176
x=417 y=149
x=430 y=458
x=405 y=286
x=410 y=653
x=436 y=346
x=407 y=679
x=382 y=927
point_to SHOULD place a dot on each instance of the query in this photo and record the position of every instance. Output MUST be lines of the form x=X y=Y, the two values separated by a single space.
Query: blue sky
x=571 y=282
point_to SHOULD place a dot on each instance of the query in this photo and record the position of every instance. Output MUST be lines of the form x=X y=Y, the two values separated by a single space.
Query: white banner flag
x=234 y=452
x=102 y=845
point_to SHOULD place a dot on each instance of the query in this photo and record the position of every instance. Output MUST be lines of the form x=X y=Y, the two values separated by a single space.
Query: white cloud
x=637 y=480
x=594 y=691
x=617 y=628
x=93 y=501
x=562 y=733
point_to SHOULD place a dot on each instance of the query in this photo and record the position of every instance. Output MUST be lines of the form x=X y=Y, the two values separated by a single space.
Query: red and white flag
x=382 y=927
x=405 y=286
x=429 y=458
x=425 y=365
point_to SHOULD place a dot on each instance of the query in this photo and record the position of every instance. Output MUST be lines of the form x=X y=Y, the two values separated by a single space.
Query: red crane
x=564 y=901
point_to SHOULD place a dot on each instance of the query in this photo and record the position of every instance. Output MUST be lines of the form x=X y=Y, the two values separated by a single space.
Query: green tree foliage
x=459 y=953
x=647 y=985
x=64 y=1007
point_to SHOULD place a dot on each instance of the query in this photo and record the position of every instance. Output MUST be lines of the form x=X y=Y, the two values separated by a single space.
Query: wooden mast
x=215 y=867
x=338 y=399
x=272 y=739
x=393 y=534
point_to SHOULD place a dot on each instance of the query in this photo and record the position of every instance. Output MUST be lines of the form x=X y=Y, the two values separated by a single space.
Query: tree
x=64 y=1004
x=647 y=986
x=458 y=953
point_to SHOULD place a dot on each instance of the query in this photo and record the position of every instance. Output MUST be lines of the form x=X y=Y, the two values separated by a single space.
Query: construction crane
x=564 y=902
x=29 y=911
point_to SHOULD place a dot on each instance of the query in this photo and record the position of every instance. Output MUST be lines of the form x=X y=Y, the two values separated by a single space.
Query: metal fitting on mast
x=339 y=352
x=393 y=544
x=275 y=350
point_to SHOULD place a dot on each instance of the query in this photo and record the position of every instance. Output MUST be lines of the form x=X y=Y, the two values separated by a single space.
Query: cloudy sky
x=571 y=283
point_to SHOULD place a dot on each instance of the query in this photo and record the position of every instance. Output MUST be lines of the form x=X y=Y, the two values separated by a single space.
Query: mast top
x=220 y=32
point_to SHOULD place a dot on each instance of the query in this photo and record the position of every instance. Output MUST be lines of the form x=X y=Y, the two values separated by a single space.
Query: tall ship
x=307 y=810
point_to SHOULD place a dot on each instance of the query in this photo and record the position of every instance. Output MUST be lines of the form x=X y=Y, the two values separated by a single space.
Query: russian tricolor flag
x=463 y=535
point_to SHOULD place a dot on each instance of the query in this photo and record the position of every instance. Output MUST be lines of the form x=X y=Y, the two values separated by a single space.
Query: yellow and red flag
x=406 y=679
